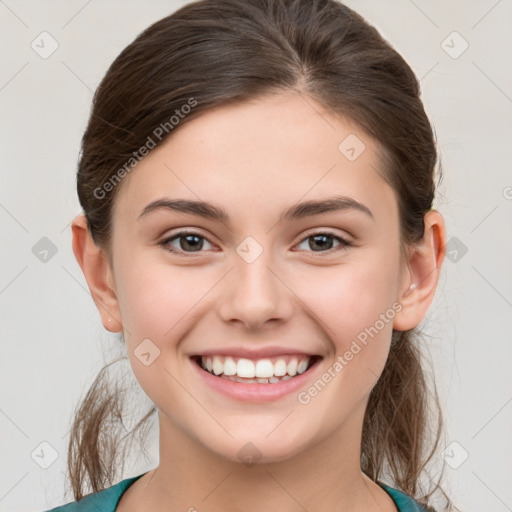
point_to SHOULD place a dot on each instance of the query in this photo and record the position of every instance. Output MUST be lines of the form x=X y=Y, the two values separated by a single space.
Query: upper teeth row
x=263 y=368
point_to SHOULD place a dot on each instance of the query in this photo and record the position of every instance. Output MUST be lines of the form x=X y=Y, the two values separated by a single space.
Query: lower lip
x=254 y=392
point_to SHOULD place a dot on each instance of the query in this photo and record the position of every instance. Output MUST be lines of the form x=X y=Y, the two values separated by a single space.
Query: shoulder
x=105 y=500
x=403 y=502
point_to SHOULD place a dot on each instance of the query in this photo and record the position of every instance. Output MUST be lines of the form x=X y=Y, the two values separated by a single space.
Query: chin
x=250 y=450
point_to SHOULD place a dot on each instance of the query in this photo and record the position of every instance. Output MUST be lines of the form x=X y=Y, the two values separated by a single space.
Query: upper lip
x=253 y=353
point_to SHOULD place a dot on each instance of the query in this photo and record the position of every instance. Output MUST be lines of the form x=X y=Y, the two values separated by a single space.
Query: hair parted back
x=225 y=51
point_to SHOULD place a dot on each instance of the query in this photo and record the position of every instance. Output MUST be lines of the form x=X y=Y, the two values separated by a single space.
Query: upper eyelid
x=329 y=231
x=315 y=231
x=185 y=232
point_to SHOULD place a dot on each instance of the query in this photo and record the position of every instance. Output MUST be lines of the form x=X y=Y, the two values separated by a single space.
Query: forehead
x=251 y=157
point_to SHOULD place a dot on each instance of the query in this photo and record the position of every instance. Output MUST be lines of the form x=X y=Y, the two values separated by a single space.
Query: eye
x=190 y=242
x=324 y=242
x=187 y=241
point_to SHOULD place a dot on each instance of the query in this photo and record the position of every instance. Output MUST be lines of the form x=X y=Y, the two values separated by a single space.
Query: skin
x=255 y=160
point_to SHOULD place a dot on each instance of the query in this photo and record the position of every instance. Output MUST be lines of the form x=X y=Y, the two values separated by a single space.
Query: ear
x=419 y=280
x=98 y=274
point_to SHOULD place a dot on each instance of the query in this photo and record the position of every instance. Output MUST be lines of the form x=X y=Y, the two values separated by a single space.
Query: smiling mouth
x=262 y=371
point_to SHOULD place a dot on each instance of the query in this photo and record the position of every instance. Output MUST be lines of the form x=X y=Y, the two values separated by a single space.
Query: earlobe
x=424 y=266
x=98 y=274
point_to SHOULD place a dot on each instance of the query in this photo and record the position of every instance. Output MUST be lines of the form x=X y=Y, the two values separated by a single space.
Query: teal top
x=107 y=500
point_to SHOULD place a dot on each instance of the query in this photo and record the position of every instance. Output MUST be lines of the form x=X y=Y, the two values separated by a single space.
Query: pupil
x=187 y=239
x=322 y=238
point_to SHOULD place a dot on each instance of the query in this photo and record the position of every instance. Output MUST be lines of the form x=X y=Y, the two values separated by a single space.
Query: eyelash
x=165 y=243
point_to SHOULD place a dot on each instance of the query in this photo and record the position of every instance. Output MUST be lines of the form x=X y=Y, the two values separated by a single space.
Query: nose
x=255 y=294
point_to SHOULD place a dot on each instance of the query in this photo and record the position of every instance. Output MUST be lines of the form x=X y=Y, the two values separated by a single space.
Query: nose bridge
x=254 y=294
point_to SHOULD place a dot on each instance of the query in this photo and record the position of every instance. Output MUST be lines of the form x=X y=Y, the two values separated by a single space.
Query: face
x=258 y=284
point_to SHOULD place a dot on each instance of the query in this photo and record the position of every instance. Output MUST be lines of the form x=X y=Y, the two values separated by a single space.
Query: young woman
x=257 y=185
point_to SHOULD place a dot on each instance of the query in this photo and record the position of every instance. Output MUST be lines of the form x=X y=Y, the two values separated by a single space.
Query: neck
x=324 y=477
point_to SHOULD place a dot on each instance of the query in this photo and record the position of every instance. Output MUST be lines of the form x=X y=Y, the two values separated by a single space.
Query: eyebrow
x=298 y=211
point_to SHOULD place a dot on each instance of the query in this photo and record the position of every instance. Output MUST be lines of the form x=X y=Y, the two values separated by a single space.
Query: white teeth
x=218 y=367
x=245 y=368
x=271 y=380
x=229 y=366
x=280 y=368
x=302 y=367
x=263 y=370
x=291 y=368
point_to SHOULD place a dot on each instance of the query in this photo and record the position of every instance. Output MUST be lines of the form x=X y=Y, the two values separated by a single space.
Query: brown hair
x=217 y=52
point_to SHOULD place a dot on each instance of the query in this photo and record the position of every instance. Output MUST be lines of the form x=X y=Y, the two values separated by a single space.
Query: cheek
x=156 y=297
x=352 y=303
x=353 y=306
x=145 y=302
x=348 y=298
x=157 y=304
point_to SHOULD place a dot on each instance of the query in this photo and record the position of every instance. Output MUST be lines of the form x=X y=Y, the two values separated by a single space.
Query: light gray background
x=53 y=343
